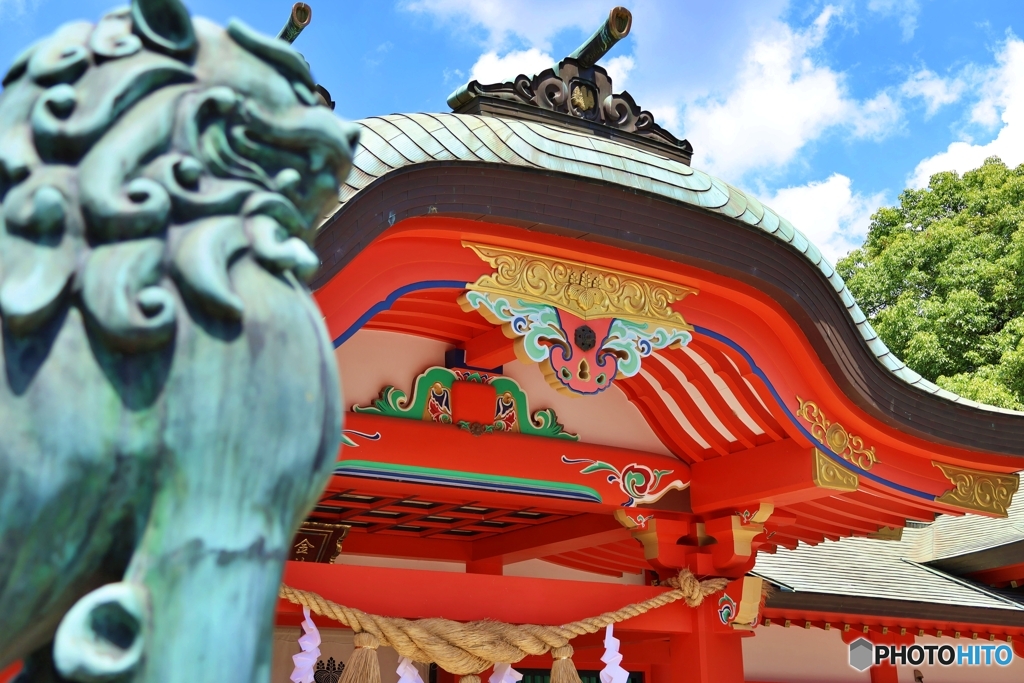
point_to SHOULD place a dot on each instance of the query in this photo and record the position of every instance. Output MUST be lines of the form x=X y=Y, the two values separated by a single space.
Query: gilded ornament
x=828 y=474
x=582 y=98
x=587 y=291
x=833 y=435
x=975 y=490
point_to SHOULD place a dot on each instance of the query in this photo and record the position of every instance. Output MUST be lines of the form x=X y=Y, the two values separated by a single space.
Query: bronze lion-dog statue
x=169 y=400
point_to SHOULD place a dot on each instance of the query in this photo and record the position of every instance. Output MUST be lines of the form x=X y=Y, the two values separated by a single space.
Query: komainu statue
x=169 y=401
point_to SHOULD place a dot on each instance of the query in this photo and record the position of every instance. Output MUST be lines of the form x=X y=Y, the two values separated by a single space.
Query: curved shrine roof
x=398 y=141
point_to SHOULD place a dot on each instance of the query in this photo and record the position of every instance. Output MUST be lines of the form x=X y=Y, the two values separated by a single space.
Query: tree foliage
x=941 y=278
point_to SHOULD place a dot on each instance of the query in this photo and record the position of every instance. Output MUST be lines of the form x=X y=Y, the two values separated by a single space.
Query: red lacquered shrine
x=574 y=365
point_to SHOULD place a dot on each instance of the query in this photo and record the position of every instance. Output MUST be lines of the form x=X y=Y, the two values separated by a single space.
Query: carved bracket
x=591 y=324
x=740 y=604
x=478 y=402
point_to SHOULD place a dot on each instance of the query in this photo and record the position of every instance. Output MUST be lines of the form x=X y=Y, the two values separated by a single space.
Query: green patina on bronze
x=169 y=399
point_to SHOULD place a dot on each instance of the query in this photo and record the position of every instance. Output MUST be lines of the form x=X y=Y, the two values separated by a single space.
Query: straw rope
x=470 y=648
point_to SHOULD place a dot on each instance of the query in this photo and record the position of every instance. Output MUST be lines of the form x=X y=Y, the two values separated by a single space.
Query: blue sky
x=824 y=110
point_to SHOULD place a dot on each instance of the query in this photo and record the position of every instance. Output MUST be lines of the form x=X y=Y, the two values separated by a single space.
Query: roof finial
x=299 y=19
x=614 y=29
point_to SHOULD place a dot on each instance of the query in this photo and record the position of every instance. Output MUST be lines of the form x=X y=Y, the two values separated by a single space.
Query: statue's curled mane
x=133 y=157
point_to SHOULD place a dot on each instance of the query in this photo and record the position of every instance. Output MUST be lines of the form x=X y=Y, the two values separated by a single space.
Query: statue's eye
x=566 y=375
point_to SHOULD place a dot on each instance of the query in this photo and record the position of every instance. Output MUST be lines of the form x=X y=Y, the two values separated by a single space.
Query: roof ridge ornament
x=576 y=87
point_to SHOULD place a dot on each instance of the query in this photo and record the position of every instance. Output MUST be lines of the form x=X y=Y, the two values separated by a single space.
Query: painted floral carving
x=726 y=610
x=583 y=356
x=639 y=482
x=431 y=401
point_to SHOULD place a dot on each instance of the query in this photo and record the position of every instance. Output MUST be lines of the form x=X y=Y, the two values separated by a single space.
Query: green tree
x=941 y=278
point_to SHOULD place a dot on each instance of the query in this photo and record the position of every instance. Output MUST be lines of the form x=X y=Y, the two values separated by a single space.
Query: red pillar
x=710 y=654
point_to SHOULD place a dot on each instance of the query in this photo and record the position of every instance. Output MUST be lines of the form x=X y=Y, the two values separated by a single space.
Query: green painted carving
x=631 y=342
x=535 y=325
x=432 y=401
x=538 y=329
x=168 y=394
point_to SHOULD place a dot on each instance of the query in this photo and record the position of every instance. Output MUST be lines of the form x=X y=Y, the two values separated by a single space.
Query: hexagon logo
x=862 y=654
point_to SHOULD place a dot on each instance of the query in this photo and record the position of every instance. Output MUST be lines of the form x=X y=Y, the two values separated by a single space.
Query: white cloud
x=1002 y=102
x=781 y=100
x=490 y=68
x=666 y=116
x=829 y=213
x=618 y=69
x=875 y=118
x=933 y=89
x=906 y=11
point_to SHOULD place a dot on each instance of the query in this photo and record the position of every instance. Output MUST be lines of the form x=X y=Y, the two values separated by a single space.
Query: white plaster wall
x=1014 y=673
x=796 y=655
x=607 y=418
x=373 y=359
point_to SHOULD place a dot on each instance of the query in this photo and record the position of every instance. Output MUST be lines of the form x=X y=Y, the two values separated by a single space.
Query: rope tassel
x=563 y=670
x=363 y=666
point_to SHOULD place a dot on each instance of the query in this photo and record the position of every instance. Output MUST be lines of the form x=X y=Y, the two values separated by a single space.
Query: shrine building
x=574 y=365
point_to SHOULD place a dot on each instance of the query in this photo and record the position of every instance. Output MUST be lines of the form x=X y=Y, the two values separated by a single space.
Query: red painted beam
x=779 y=473
x=415 y=594
x=449 y=452
x=553 y=538
x=1001 y=576
x=410 y=547
x=490 y=349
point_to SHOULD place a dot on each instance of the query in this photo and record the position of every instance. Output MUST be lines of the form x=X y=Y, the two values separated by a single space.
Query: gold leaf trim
x=584 y=290
x=830 y=475
x=835 y=437
x=976 y=490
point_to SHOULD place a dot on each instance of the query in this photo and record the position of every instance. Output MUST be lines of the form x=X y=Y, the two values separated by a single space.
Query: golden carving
x=584 y=290
x=834 y=435
x=976 y=490
x=582 y=98
x=828 y=474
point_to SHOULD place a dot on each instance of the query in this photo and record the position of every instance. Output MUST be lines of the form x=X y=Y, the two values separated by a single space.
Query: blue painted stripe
x=459 y=284
x=839 y=460
x=391 y=299
x=456 y=482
